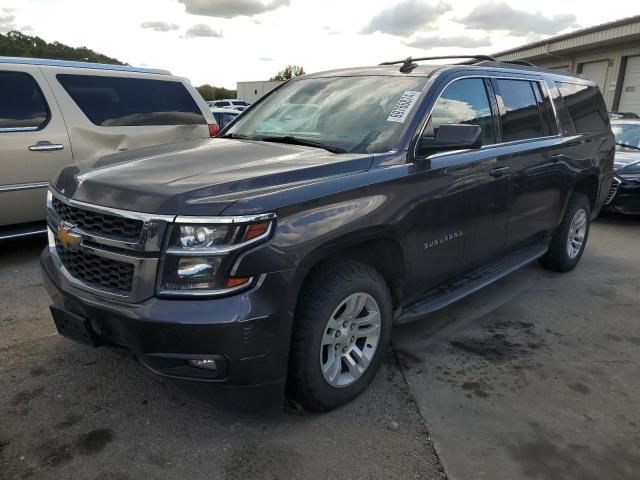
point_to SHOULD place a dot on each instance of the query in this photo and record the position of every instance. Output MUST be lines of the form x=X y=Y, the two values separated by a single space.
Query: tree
x=17 y=44
x=290 y=71
x=209 y=92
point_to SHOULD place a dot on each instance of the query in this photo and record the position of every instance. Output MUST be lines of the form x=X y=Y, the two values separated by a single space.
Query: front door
x=34 y=143
x=461 y=223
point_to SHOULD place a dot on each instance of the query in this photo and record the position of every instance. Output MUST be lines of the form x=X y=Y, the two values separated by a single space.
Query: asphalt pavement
x=534 y=377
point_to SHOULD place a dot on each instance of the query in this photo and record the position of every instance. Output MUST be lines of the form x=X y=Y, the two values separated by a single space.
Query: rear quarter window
x=22 y=105
x=120 y=101
x=585 y=106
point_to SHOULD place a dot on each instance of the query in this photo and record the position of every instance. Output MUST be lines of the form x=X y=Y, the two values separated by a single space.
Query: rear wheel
x=342 y=328
x=570 y=239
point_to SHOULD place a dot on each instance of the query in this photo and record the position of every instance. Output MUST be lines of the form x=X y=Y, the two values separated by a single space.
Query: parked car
x=281 y=253
x=55 y=113
x=622 y=115
x=224 y=116
x=624 y=196
x=228 y=103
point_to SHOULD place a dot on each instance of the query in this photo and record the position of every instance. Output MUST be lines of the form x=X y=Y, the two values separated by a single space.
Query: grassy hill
x=17 y=44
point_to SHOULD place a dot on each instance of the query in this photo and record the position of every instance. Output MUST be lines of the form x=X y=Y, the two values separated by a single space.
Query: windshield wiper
x=238 y=136
x=301 y=141
x=625 y=145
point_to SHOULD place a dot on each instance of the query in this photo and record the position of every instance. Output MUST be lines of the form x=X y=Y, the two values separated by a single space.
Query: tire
x=321 y=377
x=561 y=257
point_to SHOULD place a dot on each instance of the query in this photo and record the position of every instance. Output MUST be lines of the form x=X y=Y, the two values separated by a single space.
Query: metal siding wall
x=614 y=53
x=630 y=93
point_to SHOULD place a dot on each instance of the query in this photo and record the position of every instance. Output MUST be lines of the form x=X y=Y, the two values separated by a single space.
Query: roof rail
x=518 y=62
x=408 y=65
x=80 y=64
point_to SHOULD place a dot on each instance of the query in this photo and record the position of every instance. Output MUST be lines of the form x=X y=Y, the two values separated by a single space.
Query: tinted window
x=464 y=101
x=519 y=113
x=119 y=101
x=549 y=123
x=585 y=105
x=21 y=102
x=229 y=117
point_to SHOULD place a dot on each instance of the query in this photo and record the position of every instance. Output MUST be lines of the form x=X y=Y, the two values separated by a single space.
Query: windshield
x=350 y=114
x=627 y=134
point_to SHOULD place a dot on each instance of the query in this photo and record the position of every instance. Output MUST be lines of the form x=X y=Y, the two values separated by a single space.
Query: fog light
x=205 y=363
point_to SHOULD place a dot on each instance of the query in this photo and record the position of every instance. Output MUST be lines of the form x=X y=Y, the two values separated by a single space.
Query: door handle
x=557 y=157
x=46 y=147
x=499 y=172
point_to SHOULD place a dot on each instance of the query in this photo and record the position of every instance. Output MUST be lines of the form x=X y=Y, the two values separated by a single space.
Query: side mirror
x=452 y=136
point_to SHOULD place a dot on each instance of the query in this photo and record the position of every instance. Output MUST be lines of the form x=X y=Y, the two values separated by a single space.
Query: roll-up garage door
x=596 y=72
x=630 y=94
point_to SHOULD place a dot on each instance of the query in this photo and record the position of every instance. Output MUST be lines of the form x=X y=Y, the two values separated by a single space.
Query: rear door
x=108 y=112
x=532 y=149
x=34 y=140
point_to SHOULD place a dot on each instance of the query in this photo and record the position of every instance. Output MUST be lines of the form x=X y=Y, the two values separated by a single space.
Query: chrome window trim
x=480 y=76
x=18 y=129
x=16 y=187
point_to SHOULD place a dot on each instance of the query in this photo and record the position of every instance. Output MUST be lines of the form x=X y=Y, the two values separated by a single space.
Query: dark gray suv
x=280 y=254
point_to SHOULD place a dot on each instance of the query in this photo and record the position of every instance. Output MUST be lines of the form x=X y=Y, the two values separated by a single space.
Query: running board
x=23 y=230
x=460 y=287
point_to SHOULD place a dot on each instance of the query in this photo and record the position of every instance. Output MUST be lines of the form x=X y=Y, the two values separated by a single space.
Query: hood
x=627 y=160
x=200 y=177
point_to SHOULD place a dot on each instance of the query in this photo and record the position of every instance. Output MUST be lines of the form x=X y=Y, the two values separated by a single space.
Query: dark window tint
x=21 y=102
x=119 y=101
x=464 y=101
x=585 y=105
x=549 y=124
x=519 y=113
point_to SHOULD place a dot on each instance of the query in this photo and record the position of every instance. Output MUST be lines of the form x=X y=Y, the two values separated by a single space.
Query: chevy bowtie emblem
x=66 y=237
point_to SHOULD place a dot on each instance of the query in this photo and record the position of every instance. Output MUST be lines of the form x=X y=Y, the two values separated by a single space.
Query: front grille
x=98 y=272
x=101 y=224
x=614 y=189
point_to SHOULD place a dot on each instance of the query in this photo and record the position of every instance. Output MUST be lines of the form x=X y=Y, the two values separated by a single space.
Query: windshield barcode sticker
x=403 y=107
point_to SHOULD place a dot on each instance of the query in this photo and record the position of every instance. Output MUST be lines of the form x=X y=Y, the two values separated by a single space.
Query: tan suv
x=54 y=113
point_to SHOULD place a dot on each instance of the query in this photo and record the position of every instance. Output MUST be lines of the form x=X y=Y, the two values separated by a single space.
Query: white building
x=252 y=91
x=608 y=54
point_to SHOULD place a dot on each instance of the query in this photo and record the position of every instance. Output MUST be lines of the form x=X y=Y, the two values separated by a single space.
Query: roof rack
x=518 y=62
x=408 y=65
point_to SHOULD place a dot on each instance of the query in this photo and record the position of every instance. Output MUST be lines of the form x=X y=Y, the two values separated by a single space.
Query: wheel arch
x=381 y=251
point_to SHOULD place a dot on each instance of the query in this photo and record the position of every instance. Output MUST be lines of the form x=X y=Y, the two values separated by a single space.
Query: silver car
x=54 y=113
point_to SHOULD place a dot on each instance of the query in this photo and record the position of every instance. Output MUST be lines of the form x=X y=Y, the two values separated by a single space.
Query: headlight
x=199 y=254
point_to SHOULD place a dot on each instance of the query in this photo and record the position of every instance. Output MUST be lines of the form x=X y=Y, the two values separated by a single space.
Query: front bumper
x=248 y=333
x=626 y=199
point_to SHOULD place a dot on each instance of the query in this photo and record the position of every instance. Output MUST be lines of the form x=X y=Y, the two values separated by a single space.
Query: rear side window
x=585 y=105
x=120 y=101
x=22 y=105
x=464 y=101
x=519 y=112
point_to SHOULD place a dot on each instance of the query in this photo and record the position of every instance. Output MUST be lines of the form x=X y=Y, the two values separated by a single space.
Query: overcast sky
x=224 y=41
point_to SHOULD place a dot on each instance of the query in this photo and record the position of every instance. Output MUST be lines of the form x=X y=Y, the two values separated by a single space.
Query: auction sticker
x=403 y=107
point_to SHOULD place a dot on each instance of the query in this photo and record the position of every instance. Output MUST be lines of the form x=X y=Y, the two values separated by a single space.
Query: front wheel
x=342 y=327
x=570 y=239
